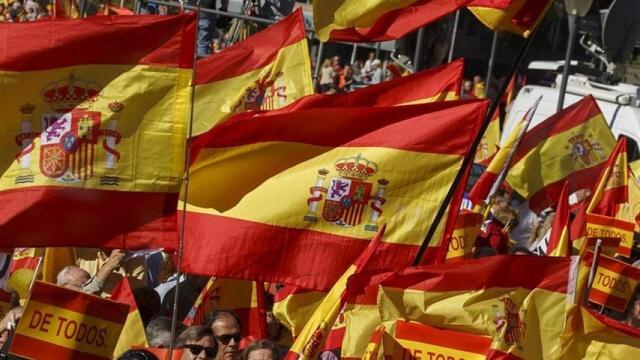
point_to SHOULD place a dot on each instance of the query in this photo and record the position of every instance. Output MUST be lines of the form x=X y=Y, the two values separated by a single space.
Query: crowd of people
x=17 y=11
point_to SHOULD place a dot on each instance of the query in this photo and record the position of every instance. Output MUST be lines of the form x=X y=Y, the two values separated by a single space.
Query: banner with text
x=614 y=283
x=599 y=226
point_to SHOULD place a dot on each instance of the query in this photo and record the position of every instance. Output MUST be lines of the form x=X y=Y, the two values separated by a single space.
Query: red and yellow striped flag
x=464 y=235
x=324 y=180
x=571 y=146
x=94 y=131
x=314 y=333
x=133 y=334
x=611 y=188
x=559 y=244
x=380 y=20
x=268 y=70
x=23 y=270
x=490 y=143
x=521 y=17
x=205 y=303
x=437 y=84
x=519 y=301
x=246 y=299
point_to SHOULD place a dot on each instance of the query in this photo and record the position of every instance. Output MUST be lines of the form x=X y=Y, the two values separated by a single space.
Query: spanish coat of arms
x=348 y=195
x=509 y=324
x=265 y=94
x=70 y=134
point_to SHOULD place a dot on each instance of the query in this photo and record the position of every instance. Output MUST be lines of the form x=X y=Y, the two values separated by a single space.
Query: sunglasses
x=195 y=349
x=226 y=338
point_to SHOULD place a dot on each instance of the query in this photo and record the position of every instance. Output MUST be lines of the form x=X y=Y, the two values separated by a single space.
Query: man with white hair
x=74 y=277
x=376 y=73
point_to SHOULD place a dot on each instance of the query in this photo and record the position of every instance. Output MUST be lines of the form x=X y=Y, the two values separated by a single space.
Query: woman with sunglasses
x=198 y=343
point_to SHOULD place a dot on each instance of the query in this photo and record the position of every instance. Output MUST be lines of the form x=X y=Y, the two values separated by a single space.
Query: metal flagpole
x=319 y=55
x=492 y=62
x=472 y=151
x=417 y=56
x=187 y=159
x=354 y=53
x=454 y=35
x=594 y=267
x=567 y=60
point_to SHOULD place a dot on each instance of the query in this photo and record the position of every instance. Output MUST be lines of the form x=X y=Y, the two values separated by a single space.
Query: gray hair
x=61 y=279
x=159 y=331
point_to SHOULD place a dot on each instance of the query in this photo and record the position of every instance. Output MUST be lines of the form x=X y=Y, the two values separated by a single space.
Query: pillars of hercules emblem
x=378 y=201
x=25 y=140
x=112 y=139
x=316 y=193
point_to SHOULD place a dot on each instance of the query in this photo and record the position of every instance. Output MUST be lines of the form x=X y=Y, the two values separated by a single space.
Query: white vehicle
x=619 y=103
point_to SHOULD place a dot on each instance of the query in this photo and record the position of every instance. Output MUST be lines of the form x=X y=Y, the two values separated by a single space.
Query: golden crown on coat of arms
x=27 y=108
x=356 y=167
x=65 y=95
x=116 y=106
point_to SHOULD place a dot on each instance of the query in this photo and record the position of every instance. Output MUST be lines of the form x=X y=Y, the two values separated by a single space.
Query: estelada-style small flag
x=325 y=178
x=559 y=244
x=571 y=146
x=94 y=130
x=133 y=332
x=614 y=284
x=380 y=20
x=267 y=70
x=68 y=324
x=521 y=17
x=314 y=334
x=414 y=339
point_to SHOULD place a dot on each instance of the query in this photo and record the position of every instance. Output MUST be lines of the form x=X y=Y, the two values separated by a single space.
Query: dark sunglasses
x=195 y=349
x=226 y=338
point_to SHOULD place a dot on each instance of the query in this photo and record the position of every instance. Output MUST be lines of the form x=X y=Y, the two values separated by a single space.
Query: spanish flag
x=205 y=303
x=490 y=143
x=314 y=334
x=519 y=301
x=559 y=244
x=521 y=17
x=614 y=284
x=267 y=71
x=464 y=235
x=612 y=185
x=441 y=83
x=570 y=146
x=591 y=336
x=312 y=186
x=133 y=334
x=23 y=270
x=94 y=130
x=380 y=20
x=246 y=299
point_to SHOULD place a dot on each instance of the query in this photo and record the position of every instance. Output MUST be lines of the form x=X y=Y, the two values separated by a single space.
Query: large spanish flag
x=94 y=130
x=571 y=146
x=311 y=187
x=521 y=17
x=517 y=300
x=380 y=20
x=268 y=70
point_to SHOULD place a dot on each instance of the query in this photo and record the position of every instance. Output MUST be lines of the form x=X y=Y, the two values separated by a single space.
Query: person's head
x=227 y=332
x=477 y=79
x=326 y=63
x=376 y=63
x=159 y=331
x=198 y=343
x=467 y=86
x=633 y=310
x=138 y=354
x=372 y=55
x=261 y=350
x=336 y=60
x=483 y=252
x=72 y=277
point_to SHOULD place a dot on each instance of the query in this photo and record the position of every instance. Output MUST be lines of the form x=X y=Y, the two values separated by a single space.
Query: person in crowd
x=74 y=277
x=227 y=332
x=495 y=231
x=346 y=79
x=198 y=343
x=479 y=91
x=367 y=68
x=207 y=26
x=376 y=72
x=159 y=331
x=467 y=90
x=117 y=264
x=632 y=317
x=327 y=75
x=138 y=354
x=541 y=226
x=261 y=350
